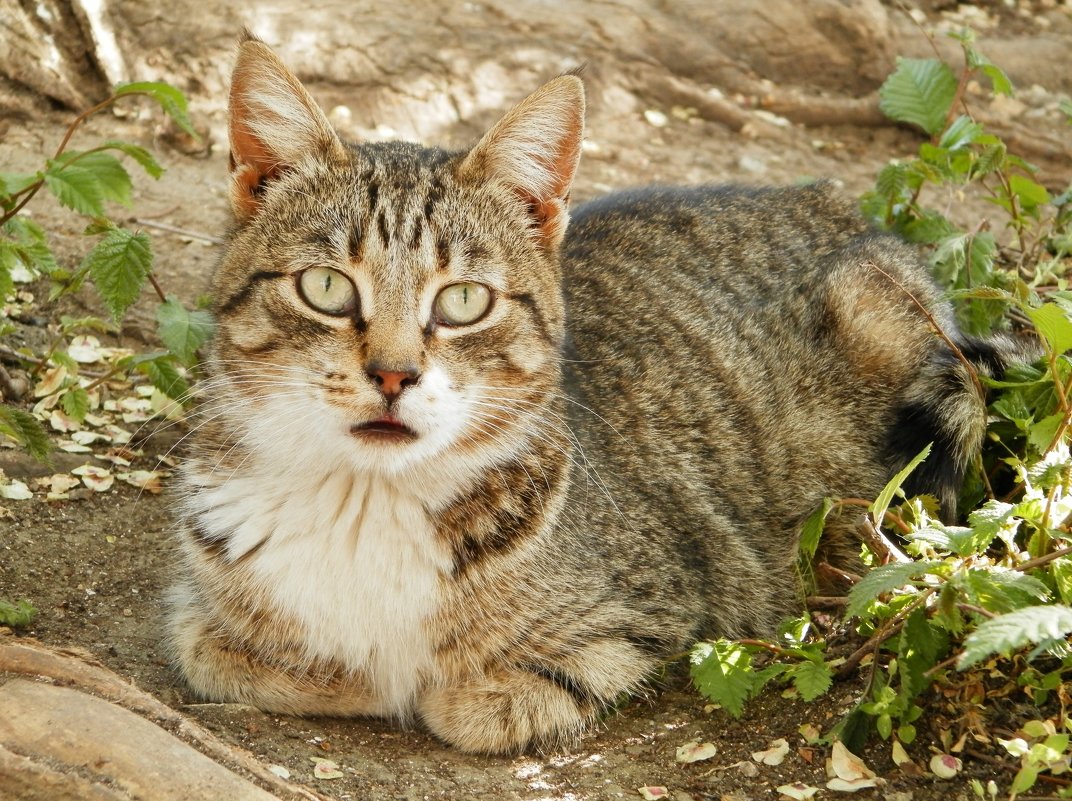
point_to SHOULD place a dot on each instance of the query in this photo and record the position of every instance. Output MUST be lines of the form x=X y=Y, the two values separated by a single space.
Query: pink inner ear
x=252 y=163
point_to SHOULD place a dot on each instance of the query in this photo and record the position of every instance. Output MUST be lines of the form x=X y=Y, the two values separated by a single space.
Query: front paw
x=506 y=713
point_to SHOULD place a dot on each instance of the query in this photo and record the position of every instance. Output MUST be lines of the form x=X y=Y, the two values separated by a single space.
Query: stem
x=887 y=630
x=1031 y=564
x=107 y=376
x=977 y=610
x=34 y=188
x=159 y=291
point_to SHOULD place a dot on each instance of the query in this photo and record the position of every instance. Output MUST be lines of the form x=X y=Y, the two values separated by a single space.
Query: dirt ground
x=685 y=92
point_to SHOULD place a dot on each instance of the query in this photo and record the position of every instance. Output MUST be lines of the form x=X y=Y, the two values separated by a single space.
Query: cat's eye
x=327 y=290
x=462 y=304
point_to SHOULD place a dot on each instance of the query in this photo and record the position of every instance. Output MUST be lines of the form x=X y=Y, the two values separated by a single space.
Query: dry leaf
x=325 y=769
x=51 y=380
x=148 y=480
x=85 y=349
x=851 y=786
x=899 y=755
x=279 y=771
x=846 y=765
x=61 y=421
x=651 y=793
x=15 y=491
x=811 y=733
x=96 y=478
x=87 y=437
x=774 y=755
x=695 y=752
x=945 y=766
x=798 y=791
x=73 y=447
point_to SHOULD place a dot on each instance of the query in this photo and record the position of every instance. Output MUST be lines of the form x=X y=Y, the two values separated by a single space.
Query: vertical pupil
x=327 y=283
x=465 y=295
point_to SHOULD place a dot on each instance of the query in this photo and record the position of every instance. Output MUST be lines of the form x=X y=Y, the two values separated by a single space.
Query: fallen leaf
x=652 y=793
x=85 y=349
x=846 y=765
x=148 y=480
x=747 y=769
x=87 y=437
x=798 y=791
x=15 y=491
x=945 y=766
x=852 y=786
x=811 y=733
x=61 y=421
x=695 y=752
x=279 y=771
x=899 y=755
x=51 y=380
x=96 y=478
x=73 y=447
x=774 y=755
x=325 y=769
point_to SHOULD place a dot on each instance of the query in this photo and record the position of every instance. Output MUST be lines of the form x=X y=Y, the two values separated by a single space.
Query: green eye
x=462 y=304
x=327 y=290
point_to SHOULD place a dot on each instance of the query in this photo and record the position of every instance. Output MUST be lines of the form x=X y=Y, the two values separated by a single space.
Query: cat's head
x=390 y=304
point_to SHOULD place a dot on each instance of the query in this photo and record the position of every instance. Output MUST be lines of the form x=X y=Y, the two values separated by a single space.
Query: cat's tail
x=946 y=406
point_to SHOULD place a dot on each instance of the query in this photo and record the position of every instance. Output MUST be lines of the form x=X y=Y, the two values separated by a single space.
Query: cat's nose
x=391 y=381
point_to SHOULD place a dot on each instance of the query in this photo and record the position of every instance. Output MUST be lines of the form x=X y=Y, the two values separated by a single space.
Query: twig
x=977 y=610
x=832 y=572
x=14 y=354
x=1031 y=564
x=878 y=542
x=171 y=229
x=1013 y=768
x=826 y=601
x=159 y=290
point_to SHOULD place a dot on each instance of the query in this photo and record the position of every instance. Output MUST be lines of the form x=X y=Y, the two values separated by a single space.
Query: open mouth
x=384 y=428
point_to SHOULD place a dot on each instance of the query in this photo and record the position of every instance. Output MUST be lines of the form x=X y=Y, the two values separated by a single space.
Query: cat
x=462 y=463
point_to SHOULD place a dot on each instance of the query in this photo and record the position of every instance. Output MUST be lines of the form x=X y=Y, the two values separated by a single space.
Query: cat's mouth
x=383 y=429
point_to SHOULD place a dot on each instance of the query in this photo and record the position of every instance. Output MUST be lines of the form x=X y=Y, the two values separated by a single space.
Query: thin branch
x=159 y=290
x=878 y=542
x=1031 y=564
x=171 y=229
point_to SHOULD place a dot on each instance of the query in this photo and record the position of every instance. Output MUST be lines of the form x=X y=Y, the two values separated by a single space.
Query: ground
x=701 y=92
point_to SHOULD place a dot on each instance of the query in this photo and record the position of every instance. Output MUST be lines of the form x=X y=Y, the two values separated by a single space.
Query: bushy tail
x=946 y=406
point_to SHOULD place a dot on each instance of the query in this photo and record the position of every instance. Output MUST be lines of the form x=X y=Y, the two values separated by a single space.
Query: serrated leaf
x=882 y=502
x=170 y=99
x=998 y=79
x=1053 y=325
x=962 y=132
x=1002 y=590
x=142 y=156
x=183 y=331
x=884 y=579
x=77 y=190
x=113 y=180
x=990 y=159
x=722 y=672
x=24 y=429
x=1010 y=632
x=119 y=265
x=75 y=403
x=921 y=646
x=811 y=679
x=920 y=91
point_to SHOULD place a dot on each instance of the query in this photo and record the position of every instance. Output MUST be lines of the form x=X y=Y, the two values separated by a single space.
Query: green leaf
x=30 y=245
x=119 y=265
x=722 y=672
x=921 y=646
x=25 y=430
x=183 y=331
x=12 y=183
x=75 y=403
x=164 y=375
x=998 y=79
x=1053 y=325
x=8 y=260
x=1010 y=632
x=18 y=614
x=1031 y=194
x=919 y=91
x=962 y=132
x=883 y=579
x=139 y=154
x=812 y=530
x=1002 y=590
x=77 y=190
x=113 y=181
x=171 y=100
x=1042 y=432
x=882 y=502
x=811 y=679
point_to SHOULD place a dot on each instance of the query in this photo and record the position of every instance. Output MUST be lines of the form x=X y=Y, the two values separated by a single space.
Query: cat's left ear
x=534 y=151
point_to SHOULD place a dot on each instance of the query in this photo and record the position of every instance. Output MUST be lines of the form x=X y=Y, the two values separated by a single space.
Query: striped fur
x=613 y=461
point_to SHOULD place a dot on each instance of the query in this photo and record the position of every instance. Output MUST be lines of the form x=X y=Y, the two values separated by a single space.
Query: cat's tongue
x=387 y=426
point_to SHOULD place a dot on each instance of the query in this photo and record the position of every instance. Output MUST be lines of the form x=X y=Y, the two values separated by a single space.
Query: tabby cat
x=462 y=464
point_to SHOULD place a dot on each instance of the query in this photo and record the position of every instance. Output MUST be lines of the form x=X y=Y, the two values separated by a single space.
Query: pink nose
x=392 y=382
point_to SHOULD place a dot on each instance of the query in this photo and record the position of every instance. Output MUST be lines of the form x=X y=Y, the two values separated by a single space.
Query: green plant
x=18 y=614
x=956 y=606
x=118 y=266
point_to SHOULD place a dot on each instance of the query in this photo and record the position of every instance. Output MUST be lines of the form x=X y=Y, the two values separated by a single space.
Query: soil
x=681 y=93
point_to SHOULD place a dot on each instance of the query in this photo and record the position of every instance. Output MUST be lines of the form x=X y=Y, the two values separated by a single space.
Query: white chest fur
x=351 y=558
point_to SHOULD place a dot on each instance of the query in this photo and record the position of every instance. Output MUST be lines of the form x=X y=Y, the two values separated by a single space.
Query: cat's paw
x=506 y=713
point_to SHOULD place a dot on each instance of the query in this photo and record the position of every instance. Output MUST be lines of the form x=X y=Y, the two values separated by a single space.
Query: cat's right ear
x=274 y=125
